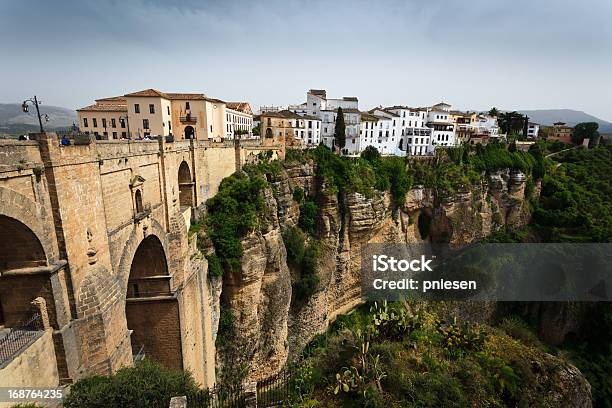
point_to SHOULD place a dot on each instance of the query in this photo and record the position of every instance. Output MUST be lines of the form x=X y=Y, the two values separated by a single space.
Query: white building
x=533 y=129
x=440 y=121
x=415 y=136
x=239 y=120
x=317 y=104
x=312 y=130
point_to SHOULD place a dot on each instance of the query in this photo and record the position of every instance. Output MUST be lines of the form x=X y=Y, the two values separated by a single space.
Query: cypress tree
x=340 y=131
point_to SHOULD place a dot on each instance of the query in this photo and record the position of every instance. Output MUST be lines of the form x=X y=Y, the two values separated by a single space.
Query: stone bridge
x=99 y=230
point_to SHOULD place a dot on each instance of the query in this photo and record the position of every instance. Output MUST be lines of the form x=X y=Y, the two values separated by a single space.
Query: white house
x=533 y=129
x=415 y=136
x=317 y=104
x=440 y=121
x=238 y=120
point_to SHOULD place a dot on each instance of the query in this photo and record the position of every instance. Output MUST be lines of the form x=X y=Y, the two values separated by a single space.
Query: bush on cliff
x=232 y=213
x=303 y=257
x=147 y=384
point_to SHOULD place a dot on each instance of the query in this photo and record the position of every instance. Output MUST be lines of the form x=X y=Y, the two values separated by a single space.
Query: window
x=187 y=105
x=167 y=107
x=138 y=202
x=113 y=123
x=169 y=125
x=123 y=134
x=105 y=133
x=95 y=122
x=136 y=108
x=114 y=135
x=85 y=122
x=145 y=123
x=122 y=123
x=151 y=108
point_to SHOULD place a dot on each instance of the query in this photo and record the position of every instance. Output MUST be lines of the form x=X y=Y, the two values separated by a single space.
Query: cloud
x=507 y=52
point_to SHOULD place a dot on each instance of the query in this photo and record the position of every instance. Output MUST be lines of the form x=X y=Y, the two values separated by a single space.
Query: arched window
x=138 y=202
x=268 y=132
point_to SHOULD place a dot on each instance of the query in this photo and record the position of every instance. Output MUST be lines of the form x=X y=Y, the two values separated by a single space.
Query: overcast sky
x=514 y=54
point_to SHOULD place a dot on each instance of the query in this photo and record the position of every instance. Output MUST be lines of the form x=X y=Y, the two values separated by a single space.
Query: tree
x=586 y=130
x=370 y=153
x=494 y=112
x=257 y=130
x=525 y=125
x=340 y=131
x=511 y=122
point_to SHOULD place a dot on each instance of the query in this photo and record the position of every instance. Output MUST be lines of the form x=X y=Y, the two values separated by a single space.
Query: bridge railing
x=19 y=337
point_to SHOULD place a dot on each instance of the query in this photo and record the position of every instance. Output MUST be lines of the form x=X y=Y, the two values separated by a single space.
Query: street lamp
x=25 y=108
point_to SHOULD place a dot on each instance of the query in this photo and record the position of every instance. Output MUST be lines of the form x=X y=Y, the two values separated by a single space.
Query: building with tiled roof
x=290 y=128
x=151 y=113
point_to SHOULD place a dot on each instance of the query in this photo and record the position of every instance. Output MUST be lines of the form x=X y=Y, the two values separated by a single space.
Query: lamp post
x=34 y=101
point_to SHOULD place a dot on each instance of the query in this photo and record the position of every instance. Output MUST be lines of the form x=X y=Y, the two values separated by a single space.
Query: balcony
x=188 y=119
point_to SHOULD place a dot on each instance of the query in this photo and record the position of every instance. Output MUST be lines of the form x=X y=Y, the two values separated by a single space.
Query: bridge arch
x=185 y=182
x=152 y=310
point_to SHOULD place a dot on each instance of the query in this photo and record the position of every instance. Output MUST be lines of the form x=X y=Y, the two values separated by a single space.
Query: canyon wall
x=269 y=328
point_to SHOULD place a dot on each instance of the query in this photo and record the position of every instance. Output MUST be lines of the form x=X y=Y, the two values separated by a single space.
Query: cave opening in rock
x=424 y=224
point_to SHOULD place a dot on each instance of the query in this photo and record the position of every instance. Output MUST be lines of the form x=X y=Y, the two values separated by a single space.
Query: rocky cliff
x=269 y=329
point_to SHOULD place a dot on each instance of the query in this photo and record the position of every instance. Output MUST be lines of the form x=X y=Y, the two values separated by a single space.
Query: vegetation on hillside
x=404 y=355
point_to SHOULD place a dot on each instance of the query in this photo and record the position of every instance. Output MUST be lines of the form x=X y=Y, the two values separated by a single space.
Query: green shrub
x=308 y=217
x=232 y=213
x=298 y=194
x=303 y=257
x=227 y=328
x=215 y=269
x=147 y=384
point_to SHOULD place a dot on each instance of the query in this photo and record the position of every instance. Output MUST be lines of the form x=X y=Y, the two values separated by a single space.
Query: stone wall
x=78 y=215
x=35 y=367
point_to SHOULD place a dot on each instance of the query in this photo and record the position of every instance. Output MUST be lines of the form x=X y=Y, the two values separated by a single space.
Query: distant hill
x=569 y=116
x=15 y=122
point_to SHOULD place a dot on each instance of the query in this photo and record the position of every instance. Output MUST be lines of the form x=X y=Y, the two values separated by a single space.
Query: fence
x=273 y=391
x=218 y=397
x=20 y=336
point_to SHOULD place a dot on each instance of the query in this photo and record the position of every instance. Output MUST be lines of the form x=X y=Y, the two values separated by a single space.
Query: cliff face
x=268 y=329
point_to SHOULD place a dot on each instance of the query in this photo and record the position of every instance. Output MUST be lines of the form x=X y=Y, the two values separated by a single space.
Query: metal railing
x=218 y=397
x=19 y=337
x=274 y=390
x=188 y=119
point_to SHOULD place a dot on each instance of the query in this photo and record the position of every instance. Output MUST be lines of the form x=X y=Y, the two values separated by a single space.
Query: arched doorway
x=20 y=249
x=189 y=132
x=268 y=132
x=151 y=310
x=185 y=185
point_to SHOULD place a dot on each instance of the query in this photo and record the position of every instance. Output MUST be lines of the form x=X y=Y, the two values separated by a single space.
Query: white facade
x=317 y=104
x=415 y=136
x=238 y=122
x=532 y=130
x=441 y=123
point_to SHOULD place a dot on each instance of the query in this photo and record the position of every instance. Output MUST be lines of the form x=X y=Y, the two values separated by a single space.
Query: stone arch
x=189 y=132
x=151 y=311
x=136 y=237
x=20 y=247
x=185 y=182
x=31 y=215
x=149 y=262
